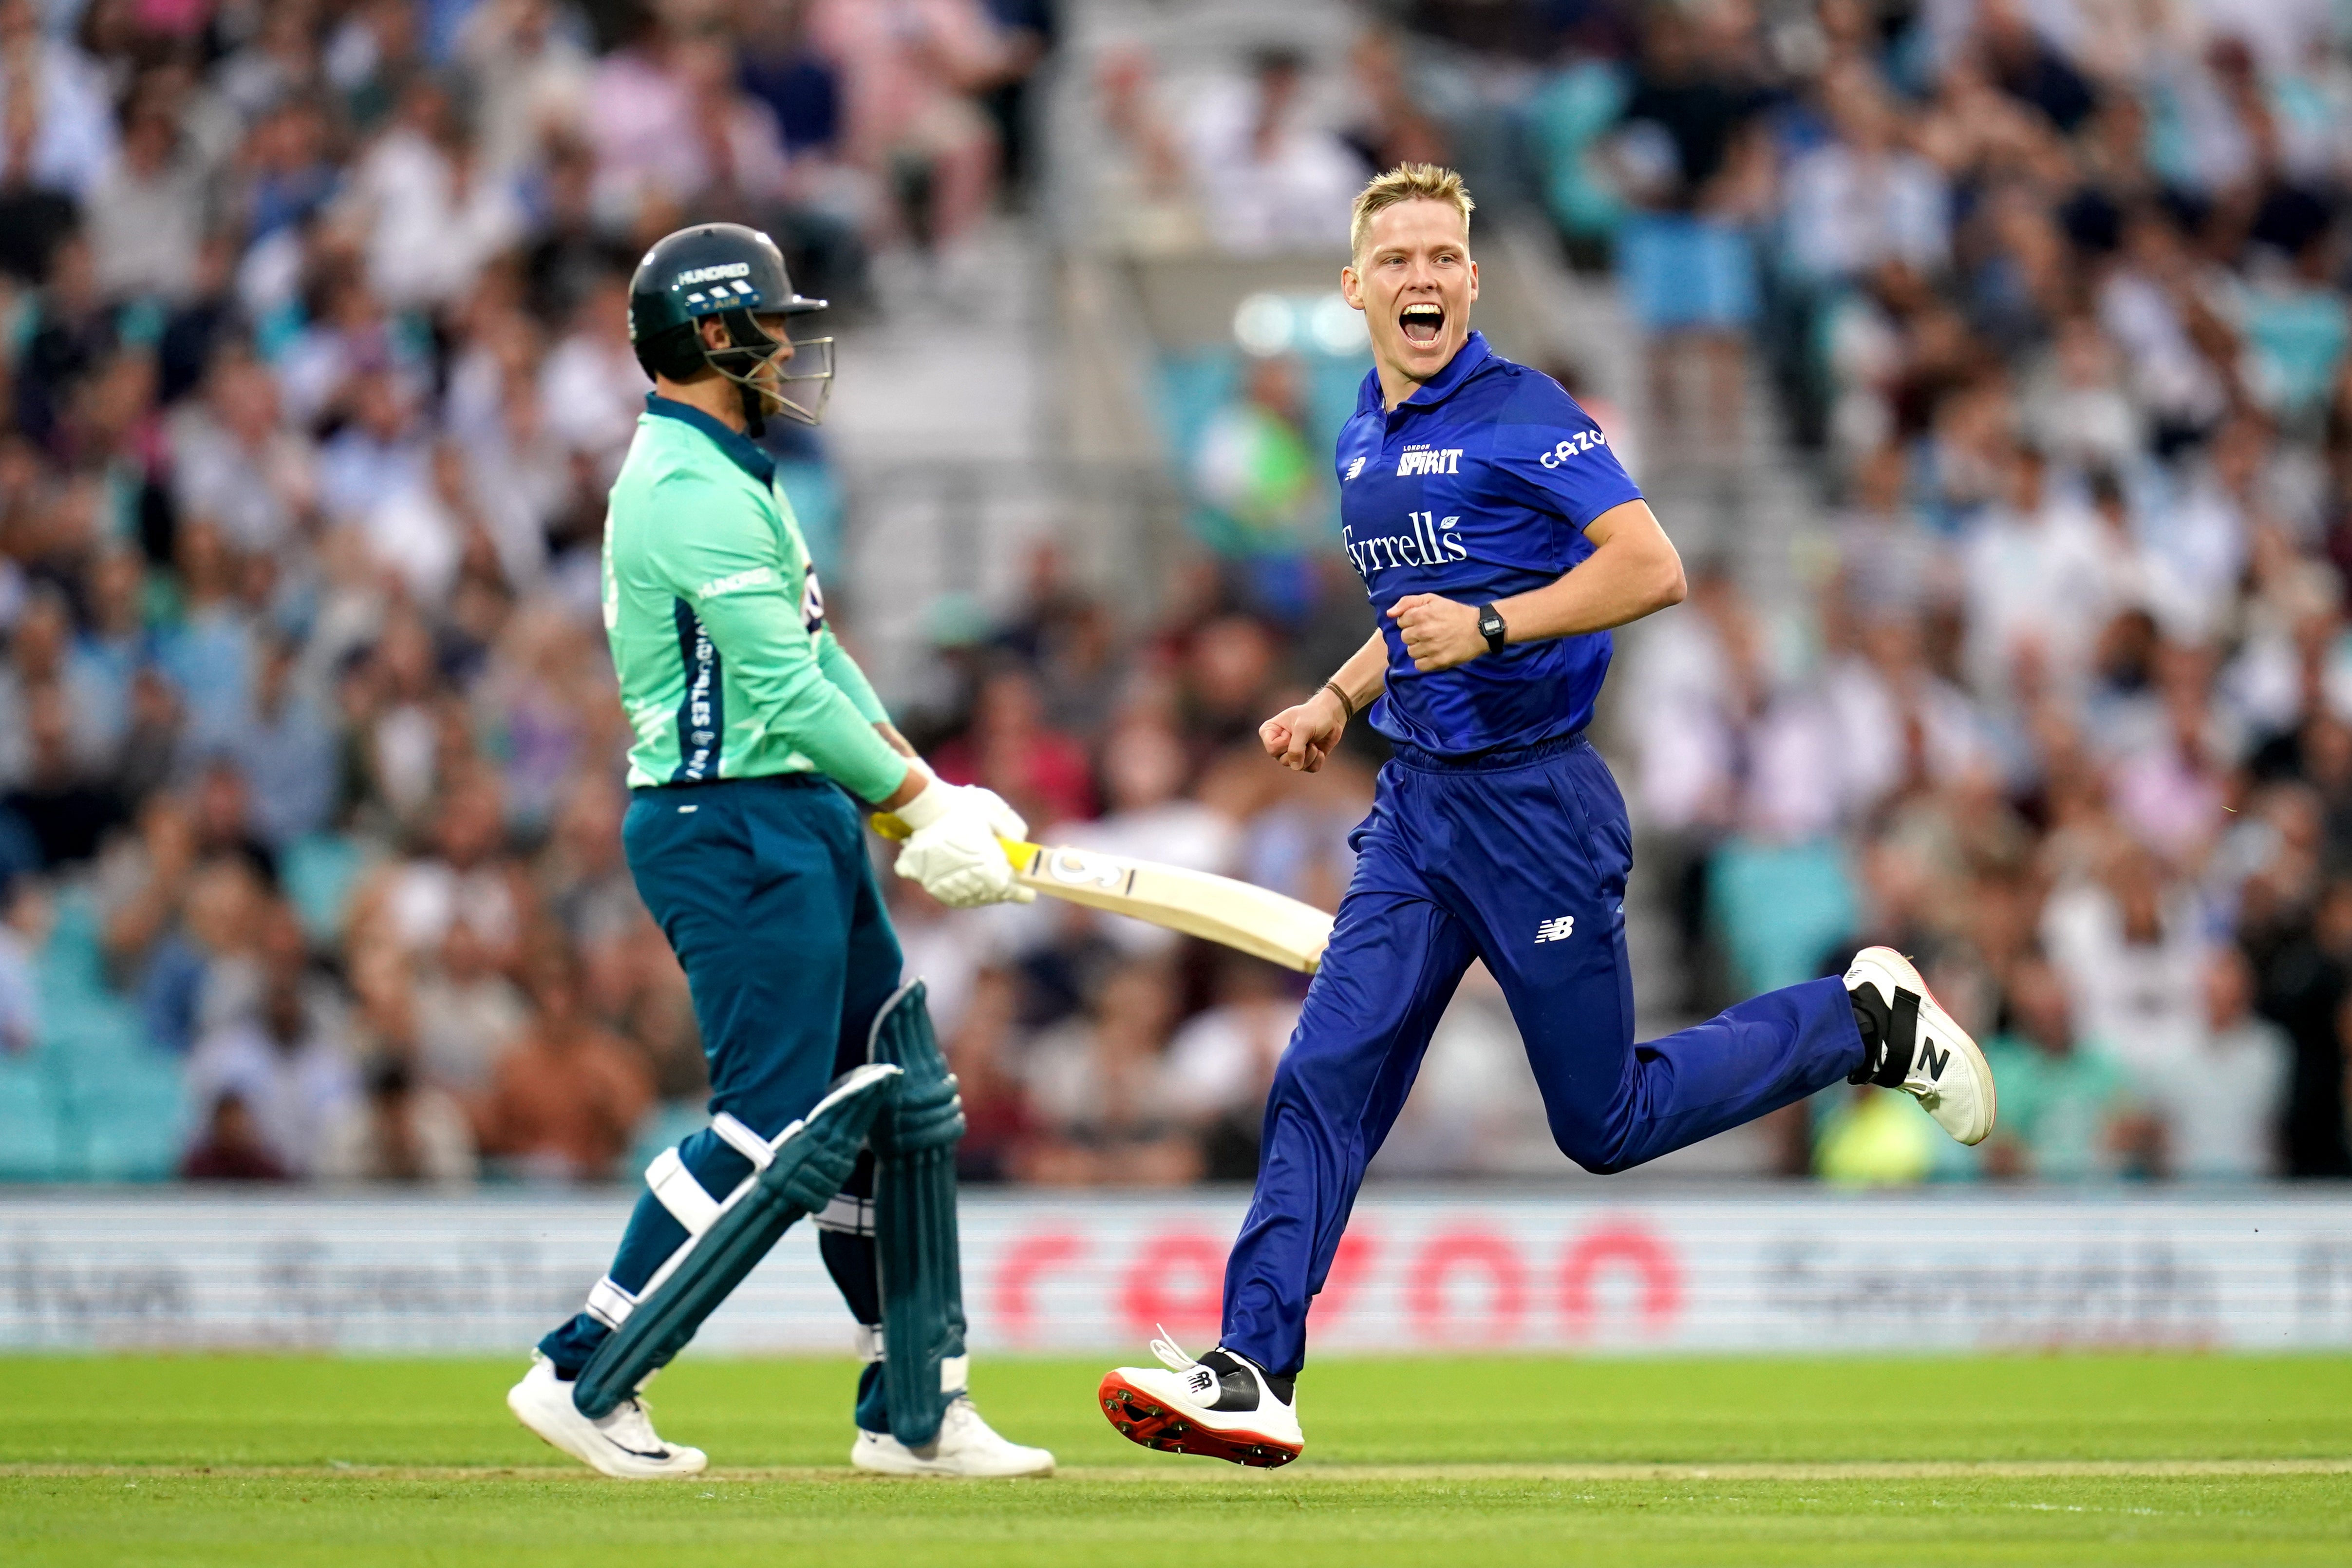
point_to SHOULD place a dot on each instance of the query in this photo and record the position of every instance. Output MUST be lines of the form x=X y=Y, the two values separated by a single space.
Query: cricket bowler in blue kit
x=1498 y=540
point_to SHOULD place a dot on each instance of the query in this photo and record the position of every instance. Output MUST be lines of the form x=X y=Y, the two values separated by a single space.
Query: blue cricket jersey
x=1477 y=487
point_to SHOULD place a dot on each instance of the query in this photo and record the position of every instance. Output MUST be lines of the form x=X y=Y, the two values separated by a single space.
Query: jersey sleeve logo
x=1354 y=468
x=736 y=583
x=812 y=602
x=1583 y=441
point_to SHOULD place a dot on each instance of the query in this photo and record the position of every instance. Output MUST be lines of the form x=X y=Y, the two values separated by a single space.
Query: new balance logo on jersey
x=1556 y=930
x=1426 y=460
x=1353 y=469
x=1431 y=543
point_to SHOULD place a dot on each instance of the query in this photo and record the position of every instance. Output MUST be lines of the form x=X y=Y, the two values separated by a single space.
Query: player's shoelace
x=1166 y=1348
x=635 y=1430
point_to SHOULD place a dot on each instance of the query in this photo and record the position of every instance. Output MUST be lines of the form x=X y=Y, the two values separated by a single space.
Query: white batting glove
x=1008 y=823
x=953 y=851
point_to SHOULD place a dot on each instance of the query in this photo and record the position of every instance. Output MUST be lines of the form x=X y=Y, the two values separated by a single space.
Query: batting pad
x=915 y=1221
x=796 y=1173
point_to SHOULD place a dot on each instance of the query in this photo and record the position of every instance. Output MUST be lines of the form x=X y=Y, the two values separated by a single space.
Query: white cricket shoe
x=1923 y=1052
x=623 y=1445
x=1222 y=1406
x=966 y=1446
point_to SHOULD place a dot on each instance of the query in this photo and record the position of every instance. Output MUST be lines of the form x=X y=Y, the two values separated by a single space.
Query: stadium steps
x=1749 y=515
x=934 y=429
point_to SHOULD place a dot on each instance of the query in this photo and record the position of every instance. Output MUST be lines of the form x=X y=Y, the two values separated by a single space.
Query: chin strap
x=755 y=410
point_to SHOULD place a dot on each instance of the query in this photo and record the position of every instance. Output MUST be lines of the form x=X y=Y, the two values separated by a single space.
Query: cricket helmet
x=736 y=274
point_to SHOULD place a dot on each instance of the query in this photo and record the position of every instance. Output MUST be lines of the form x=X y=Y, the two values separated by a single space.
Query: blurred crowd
x=2051 y=296
x=2056 y=291
x=316 y=371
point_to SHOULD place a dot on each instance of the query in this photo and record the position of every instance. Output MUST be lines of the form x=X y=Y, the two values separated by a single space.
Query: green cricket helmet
x=736 y=274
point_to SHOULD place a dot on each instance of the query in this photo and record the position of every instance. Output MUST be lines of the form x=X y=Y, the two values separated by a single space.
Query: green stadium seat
x=32 y=1143
x=73 y=963
x=318 y=871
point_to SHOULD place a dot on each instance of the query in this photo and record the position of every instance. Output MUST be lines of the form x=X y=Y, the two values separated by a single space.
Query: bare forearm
x=1633 y=570
x=1365 y=675
x=1631 y=573
x=1301 y=738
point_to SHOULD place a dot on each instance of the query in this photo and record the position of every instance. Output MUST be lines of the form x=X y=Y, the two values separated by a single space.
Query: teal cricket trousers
x=764 y=890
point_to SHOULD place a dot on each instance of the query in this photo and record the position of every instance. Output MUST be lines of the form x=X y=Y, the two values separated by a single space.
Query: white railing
x=2255 y=1270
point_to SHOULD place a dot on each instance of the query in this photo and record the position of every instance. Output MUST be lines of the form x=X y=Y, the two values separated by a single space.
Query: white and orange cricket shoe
x=1920 y=1049
x=1223 y=1405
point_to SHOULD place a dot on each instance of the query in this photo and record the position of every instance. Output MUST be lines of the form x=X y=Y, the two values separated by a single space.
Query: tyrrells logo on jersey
x=1416 y=460
x=1431 y=543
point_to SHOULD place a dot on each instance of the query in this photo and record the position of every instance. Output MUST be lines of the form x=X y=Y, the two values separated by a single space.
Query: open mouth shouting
x=1422 y=322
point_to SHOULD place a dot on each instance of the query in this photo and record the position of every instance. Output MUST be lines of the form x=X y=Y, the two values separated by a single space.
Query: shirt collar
x=1466 y=361
x=736 y=444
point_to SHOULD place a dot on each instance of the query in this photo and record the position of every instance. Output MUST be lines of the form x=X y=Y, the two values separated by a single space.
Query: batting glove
x=954 y=850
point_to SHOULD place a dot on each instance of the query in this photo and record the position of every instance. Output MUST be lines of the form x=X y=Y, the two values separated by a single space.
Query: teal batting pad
x=807 y=1163
x=915 y=1222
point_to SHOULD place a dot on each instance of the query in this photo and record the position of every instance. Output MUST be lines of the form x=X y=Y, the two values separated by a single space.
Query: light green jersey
x=717 y=624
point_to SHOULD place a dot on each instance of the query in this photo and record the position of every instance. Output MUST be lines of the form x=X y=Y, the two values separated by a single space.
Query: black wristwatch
x=1491 y=627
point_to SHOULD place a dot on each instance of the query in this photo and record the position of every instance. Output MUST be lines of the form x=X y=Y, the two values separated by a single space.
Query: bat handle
x=893 y=826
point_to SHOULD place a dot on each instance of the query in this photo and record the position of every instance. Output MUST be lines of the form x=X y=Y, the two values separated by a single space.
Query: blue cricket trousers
x=1518 y=859
x=764 y=890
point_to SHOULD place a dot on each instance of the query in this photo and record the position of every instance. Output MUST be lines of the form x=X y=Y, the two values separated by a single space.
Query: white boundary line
x=1311 y=1473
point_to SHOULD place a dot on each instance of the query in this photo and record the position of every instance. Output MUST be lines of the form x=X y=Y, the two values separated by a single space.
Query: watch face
x=1490 y=625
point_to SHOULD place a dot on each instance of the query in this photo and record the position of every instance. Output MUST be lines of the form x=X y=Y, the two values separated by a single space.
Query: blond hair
x=1407 y=182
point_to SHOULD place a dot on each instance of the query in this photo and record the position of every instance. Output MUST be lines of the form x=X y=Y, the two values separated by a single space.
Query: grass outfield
x=2095 y=1460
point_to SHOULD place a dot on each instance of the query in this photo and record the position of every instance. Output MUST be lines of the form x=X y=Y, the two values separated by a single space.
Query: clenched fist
x=1301 y=738
x=1438 y=633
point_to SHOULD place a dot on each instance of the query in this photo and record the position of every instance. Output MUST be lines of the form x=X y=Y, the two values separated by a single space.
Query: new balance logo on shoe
x=1558 y=930
x=1934 y=1061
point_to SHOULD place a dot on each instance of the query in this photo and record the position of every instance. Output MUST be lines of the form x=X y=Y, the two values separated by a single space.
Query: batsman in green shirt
x=756 y=739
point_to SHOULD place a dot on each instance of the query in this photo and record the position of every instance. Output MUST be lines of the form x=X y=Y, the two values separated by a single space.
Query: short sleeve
x=1554 y=458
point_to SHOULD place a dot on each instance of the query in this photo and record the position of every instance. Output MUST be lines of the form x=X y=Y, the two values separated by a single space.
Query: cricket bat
x=1256 y=920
